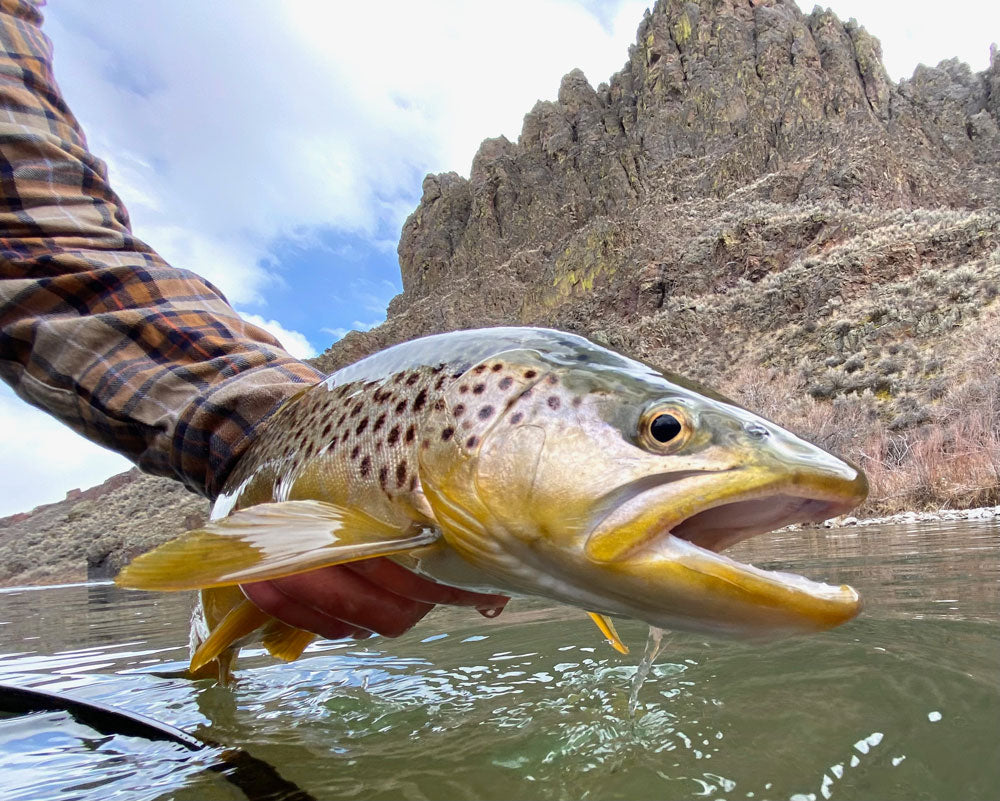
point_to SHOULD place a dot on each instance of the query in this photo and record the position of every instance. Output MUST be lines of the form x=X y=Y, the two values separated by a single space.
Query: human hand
x=361 y=598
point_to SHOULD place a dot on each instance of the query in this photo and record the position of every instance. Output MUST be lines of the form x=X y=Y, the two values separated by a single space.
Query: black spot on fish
x=516 y=418
x=485 y=412
x=343 y=417
x=530 y=373
x=439 y=383
x=393 y=435
x=411 y=432
x=478 y=389
x=401 y=474
x=472 y=441
x=446 y=433
x=357 y=408
x=497 y=367
x=383 y=476
x=412 y=379
x=355 y=451
x=439 y=405
x=463 y=388
x=505 y=382
x=577 y=400
x=420 y=400
x=401 y=406
x=366 y=466
x=554 y=402
x=459 y=410
x=361 y=426
x=327 y=429
x=438 y=369
x=379 y=422
x=413 y=483
x=552 y=379
x=479 y=368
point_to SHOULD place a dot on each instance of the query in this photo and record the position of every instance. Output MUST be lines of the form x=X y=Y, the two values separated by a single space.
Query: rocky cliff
x=753 y=202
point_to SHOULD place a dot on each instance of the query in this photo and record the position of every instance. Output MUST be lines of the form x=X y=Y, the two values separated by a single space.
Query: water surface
x=903 y=703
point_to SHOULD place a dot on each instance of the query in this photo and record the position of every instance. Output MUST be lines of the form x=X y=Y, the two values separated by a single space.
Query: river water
x=903 y=703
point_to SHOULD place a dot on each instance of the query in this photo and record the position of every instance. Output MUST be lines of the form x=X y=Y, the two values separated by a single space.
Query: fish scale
x=517 y=461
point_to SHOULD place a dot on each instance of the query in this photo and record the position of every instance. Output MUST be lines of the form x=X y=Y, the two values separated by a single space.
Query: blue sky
x=277 y=148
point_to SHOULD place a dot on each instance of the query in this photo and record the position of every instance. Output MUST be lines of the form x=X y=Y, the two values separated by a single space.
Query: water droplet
x=654 y=644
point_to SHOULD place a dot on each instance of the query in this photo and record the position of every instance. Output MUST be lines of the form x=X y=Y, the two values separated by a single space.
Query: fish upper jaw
x=716 y=509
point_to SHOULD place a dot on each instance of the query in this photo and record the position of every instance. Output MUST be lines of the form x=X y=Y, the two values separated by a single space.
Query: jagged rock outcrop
x=750 y=181
x=735 y=101
x=750 y=191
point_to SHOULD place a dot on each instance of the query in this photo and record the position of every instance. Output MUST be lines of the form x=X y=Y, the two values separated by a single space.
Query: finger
x=350 y=597
x=394 y=577
x=270 y=599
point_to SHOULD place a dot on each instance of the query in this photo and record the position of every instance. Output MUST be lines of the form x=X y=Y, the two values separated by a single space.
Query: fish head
x=577 y=474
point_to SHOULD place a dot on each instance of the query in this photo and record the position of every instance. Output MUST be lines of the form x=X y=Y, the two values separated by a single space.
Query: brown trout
x=520 y=461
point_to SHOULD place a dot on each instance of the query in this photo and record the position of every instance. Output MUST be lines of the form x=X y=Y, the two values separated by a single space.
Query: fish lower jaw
x=710 y=592
x=749 y=602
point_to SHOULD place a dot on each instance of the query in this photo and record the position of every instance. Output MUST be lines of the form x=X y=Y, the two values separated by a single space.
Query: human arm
x=97 y=330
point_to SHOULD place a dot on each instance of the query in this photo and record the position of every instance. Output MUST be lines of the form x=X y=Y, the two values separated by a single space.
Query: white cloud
x=42 y=458
x=292 y=341
x=357 y=325
x=230 y=125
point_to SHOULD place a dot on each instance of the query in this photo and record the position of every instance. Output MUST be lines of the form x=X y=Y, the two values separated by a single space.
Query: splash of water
x=654 y=644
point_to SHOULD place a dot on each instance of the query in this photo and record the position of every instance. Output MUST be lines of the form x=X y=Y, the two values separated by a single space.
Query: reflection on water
x=902 y=703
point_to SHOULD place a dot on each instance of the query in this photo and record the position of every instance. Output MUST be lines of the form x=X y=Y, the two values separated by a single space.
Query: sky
x=277 y=148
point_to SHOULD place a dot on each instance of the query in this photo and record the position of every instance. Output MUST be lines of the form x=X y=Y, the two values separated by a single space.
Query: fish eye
x=664 y=428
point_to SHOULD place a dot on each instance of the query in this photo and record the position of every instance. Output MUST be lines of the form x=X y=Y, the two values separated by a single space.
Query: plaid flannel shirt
x=95 y=328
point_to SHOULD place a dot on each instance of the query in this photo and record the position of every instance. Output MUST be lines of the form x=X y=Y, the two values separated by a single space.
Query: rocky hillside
x=93 y=533
x=750 y=201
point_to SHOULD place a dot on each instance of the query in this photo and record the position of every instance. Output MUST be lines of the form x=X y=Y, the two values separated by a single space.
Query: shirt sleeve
x=95 y=328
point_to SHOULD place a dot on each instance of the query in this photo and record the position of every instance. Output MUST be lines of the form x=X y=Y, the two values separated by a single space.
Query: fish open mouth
x=715 y=510
x=721 y=526
x=669 y=535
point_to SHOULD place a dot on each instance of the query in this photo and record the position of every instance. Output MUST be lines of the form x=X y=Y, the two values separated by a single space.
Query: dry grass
x=955 y=465
x=950 y=462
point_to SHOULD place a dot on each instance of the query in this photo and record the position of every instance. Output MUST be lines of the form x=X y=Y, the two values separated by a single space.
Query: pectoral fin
x=266 y=542
x=242 y=619
x=607 y=627
x=286 y=642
